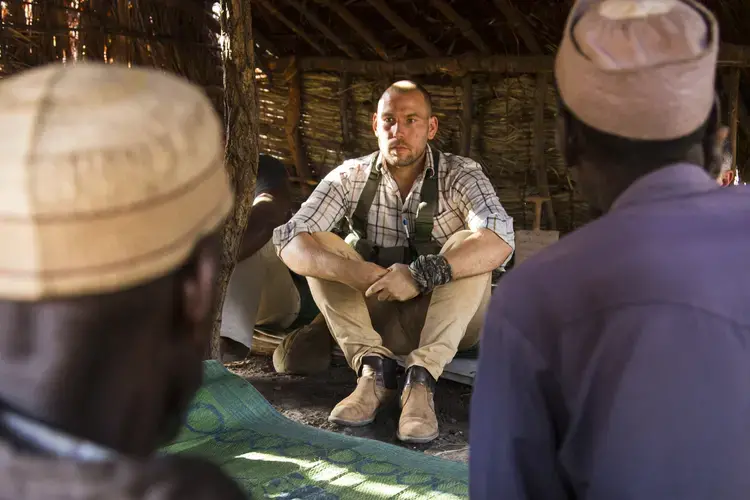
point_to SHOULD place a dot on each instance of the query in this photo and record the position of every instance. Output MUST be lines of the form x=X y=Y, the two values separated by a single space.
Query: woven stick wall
x=502 y=133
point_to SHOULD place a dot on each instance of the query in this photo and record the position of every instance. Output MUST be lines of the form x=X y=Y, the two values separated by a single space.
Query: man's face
x=403 y=126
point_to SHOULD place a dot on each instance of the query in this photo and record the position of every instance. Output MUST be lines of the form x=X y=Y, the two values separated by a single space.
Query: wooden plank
x=467 y=106
x=292 y=26
x=345 y=103
x=408 y=31
x=734 y=55
x=519 y=25
x=734 y=111
x=323 y=28
x=293 y=126
x=458 y=66
x=539 y=156
x=264 y=43
x=357 y=26
x=462 y=24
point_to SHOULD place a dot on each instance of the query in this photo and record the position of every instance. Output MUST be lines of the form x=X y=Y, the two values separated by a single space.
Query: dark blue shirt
x=615 y=364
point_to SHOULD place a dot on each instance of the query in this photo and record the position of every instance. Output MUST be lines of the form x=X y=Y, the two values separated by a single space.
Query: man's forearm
x=480 y=253
x=267 y=213
x=253 y=241
x=306 y=257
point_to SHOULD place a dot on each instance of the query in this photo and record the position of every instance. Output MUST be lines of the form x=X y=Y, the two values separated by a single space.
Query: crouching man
x=413 y=276
x=261 y=291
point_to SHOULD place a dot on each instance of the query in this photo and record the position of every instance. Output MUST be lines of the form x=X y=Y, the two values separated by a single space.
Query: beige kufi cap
x=641 y=69
x=109 y=176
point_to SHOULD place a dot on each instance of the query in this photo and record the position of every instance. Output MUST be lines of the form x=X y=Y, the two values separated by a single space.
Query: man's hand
x=397 y=285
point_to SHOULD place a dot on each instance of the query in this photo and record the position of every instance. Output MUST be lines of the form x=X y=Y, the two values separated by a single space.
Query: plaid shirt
x=466 y=197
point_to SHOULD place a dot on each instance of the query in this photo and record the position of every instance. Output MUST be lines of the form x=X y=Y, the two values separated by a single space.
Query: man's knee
x=455 y=239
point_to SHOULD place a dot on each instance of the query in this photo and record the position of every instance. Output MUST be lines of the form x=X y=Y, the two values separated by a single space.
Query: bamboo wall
x=502 y=133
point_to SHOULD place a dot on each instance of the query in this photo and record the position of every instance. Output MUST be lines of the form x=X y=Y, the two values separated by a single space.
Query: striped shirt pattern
x=466 y=200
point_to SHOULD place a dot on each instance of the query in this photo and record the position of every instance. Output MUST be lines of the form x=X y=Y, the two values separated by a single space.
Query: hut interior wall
x=502 y=138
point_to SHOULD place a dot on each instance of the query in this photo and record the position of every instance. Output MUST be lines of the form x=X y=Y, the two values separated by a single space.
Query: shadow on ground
x=308 y=400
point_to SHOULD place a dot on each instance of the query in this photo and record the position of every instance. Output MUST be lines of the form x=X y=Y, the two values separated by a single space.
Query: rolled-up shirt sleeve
x=479 y=204
x=321 y=212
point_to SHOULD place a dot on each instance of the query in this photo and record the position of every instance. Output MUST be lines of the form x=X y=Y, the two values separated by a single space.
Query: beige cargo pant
x=429 y=329
x=260 y=292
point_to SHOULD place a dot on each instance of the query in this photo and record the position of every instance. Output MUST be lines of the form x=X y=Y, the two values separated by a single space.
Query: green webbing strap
x=421 y=240
x=428 y=205
x=359 y=219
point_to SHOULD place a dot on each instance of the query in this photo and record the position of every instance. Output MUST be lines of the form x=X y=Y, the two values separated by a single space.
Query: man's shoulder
x=353 y=167
x=458 y=163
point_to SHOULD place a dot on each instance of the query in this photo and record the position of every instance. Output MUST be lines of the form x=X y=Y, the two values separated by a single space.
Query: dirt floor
x=308 y=400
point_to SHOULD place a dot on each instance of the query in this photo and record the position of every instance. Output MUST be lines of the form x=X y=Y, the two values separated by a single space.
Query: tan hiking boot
x=418 y=422
x=376 y=386
x=305 y=351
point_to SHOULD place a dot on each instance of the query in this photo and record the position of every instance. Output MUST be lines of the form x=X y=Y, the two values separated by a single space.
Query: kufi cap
x=640 y=69
x=109 y=177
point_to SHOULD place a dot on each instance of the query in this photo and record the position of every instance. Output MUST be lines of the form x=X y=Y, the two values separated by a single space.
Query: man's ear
x=375 y=123
x=433 y=126
x=727 y=178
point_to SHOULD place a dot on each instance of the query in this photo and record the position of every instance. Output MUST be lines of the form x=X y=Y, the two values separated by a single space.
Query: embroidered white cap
x=109 y=177
x=641 y=69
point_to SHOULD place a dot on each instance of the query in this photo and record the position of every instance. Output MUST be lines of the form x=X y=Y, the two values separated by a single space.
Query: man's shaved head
x=406 y=86
x=404 y=123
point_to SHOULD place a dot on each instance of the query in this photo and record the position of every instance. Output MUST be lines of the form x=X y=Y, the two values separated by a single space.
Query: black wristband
x=430 y=271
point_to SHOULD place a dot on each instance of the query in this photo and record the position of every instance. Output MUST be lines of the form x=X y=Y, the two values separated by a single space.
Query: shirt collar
x=681 y=179
x=53 y=442
x=429 y=167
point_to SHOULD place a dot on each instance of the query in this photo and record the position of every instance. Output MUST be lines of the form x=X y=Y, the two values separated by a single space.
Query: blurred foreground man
x=413 y=276
x=112 y=189
x=614 y=364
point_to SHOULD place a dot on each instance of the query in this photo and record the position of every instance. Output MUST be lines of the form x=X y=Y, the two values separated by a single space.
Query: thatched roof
x=327 y=61
x=348 y=51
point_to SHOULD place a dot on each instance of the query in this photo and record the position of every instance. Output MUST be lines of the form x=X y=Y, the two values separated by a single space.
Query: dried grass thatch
x=177 y=36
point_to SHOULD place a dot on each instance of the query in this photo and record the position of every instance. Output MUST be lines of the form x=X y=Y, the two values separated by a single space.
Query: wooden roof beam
x=292 y=26
x=462 y=24
x=264 y=43
x=458 y=66
x=402 y=27
x=357 y=26
x=323 y=28
x=520 y=25
x=729 y=56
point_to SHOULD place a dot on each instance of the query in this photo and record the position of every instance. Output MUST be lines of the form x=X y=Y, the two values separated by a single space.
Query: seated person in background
x=721 y=170
x=112 y=192
x=614 y=364
x=413 y=277
x=261 y=290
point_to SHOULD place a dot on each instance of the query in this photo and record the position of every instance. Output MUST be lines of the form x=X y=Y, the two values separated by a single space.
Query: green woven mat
x=230 y=423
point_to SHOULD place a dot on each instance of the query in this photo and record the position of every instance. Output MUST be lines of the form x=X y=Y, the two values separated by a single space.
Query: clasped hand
x=396 y=285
